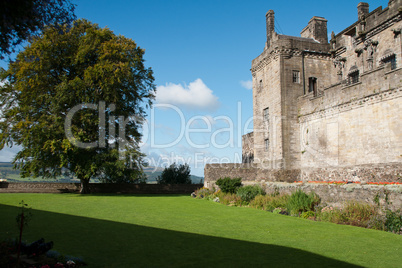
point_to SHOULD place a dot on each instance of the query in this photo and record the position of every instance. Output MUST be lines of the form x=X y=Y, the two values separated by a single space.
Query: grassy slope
x=178 y=231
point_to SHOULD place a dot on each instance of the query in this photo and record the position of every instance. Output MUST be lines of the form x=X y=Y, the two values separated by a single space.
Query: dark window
x=354 y=77
x=391 y=60
x=266 y=143
x=296 y=77
x=266 y=114
x=312 y=85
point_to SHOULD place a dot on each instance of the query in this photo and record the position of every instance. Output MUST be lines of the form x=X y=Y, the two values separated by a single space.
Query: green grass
x=178 y=231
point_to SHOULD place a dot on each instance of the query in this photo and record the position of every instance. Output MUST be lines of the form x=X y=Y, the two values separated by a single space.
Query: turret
x=362 y=10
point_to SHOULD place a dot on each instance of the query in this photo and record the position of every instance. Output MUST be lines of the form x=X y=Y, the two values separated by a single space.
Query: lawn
x=178 y=231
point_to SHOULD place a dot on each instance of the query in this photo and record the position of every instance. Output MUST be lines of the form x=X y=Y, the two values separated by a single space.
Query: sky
x=201 y=53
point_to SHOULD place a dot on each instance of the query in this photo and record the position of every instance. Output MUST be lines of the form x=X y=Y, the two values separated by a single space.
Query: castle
x=326 y=109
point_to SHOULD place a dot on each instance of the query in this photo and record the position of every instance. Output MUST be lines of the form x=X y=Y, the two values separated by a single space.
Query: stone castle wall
x=283 y=181
x=38 y=187
x=391 y=172
x=351 y=114
x=334 y=108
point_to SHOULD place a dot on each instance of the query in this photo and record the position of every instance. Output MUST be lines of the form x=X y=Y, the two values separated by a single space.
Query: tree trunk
x=85 y=186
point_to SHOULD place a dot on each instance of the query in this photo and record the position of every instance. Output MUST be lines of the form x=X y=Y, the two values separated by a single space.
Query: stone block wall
x=336 y=195
x=283 y=181
x=247 y=141
x=37 y=187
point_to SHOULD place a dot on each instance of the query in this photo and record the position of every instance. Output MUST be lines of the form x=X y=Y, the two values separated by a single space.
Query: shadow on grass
x=112 y=244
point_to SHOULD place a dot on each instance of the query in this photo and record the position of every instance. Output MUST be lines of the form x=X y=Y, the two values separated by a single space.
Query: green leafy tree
x=175 y=174
x=75 y=98
x=20 y=19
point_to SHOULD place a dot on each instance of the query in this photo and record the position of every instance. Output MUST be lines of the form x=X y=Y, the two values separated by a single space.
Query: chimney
x=270 y=18
x=362 y=10
x=317 y=29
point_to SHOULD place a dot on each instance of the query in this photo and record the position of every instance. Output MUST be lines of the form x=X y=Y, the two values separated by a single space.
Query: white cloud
x=8 y=154
x=247 y=84
x=196 y=96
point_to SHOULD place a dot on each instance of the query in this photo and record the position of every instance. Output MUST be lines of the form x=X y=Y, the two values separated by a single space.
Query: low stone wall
x=248 y=172
x=38 y=187
x=254 y=172
x=332 y=194
x=336 y=195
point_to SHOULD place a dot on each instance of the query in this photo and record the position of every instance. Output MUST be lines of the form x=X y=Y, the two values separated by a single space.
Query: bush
x=269 y=202
x=393 y=222
x=308 y=215
x=377 y=222
x=281 y=211
x=353 y=213
x=330 y=214
x=249 y=192
x=229 y=199
x=204 y=193
x=299 y=202
x=228 y=185
x=358 y=214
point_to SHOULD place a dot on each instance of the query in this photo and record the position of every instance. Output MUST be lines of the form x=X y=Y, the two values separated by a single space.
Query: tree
x=123 y=173
x=20 y=19
x=75 y=98
x=175 y=174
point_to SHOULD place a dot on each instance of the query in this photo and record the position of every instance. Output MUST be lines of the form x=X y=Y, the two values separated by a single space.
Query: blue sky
x=201 y=52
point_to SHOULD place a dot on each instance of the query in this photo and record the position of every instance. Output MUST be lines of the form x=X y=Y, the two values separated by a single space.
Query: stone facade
x=326 y=109
x=331 y=104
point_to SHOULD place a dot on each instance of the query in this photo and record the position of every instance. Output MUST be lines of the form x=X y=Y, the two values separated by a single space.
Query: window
x=296 y=77
x=353 y=75
x=391 y=60
x=266 y=144
x=312 y=85
x=266 y=115
x=260 y=85
x=389 y=57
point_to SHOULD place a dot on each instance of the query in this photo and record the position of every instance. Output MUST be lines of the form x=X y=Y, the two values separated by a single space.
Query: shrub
x=229 y=199
x=281 y=211
x=269 y=202
x=203 y=193
x=330 y=214
x=228 y=185
x=353 y=213
x=377 y=222
x=393 y=222
x=308 y=215
x=358 y=214
x=249 y=192
x=299 y=202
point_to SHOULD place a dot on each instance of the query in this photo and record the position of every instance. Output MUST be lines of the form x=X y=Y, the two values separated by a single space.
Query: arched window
x=353 y=75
